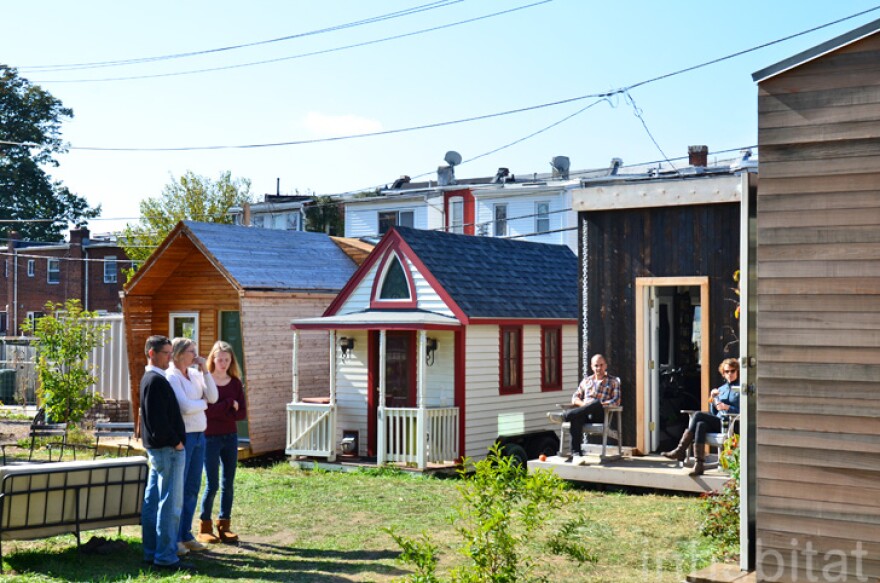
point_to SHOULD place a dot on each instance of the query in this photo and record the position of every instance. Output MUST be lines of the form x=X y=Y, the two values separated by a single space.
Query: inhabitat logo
x=802 y=562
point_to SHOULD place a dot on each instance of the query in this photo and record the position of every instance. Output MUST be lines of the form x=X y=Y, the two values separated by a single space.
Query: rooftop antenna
x=560 y=165
x=446 y=174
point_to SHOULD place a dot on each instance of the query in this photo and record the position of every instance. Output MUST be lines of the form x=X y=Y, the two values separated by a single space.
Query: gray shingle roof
x=500 y=278
x=274 y=259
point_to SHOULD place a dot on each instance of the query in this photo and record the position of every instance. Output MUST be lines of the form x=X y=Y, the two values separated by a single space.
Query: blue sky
x=549 y=52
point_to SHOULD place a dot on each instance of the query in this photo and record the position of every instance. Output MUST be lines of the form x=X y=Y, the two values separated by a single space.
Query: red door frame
x=373 y=381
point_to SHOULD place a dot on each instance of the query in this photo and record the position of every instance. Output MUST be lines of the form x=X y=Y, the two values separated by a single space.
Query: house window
x=53 y=268
x=110 y=269
x=6 y=268
x=388 y=219
x=3 y=321
x=456 y=215
x=395 y=285
x=184 y=324
x=551 y=358
x=511 y=360
x=32 y=318
x=500 y=220
x=31 y=267
x=542 y=217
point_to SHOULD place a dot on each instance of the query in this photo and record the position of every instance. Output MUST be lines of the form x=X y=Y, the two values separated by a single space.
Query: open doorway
x=672 y=371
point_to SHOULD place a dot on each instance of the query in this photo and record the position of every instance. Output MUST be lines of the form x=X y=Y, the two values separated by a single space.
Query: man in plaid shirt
x=593 y=394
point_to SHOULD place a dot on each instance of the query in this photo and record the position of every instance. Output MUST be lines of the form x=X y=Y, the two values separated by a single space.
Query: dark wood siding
x=818 y=421
x=675 y=241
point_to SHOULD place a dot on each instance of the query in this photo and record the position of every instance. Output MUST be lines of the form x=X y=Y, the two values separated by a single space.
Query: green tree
x=65 y=337
x=191 y=197
x=29 y=115
x=324 y=215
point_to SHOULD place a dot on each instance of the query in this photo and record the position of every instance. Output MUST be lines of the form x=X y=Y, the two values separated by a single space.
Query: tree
x=29 y=115
x=65 y=338
x=192 y=197
x=324 y=215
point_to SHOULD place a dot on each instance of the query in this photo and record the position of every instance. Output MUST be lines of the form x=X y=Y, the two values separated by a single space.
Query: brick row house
x=85 y=268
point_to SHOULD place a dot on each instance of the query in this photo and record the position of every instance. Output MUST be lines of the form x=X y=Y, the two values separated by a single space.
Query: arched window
x=395 y=285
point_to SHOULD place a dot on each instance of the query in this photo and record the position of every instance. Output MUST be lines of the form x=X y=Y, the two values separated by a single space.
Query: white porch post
x=380 y=406
x=332 y=421
x=295 y=366
x=421 y=414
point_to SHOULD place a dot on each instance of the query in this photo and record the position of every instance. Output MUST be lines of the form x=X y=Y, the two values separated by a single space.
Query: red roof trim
x=361 y=273
x=375 y=301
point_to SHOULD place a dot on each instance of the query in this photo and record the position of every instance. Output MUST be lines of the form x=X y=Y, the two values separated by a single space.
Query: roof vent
x=616 y=163
x=400 y=182
x=501 y=176
x=560 y=165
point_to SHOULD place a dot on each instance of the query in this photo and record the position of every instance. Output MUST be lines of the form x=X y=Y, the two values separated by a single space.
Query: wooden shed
x=242 y=285
x=818 y=502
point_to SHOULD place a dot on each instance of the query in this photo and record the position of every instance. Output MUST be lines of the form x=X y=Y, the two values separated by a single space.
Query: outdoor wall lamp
x=346 y=345
x=430 y=349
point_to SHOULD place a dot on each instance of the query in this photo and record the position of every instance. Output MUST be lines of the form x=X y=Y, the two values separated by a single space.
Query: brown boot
x=678 y=454
x=700 y=454
x=206 y=533
x=226 y=535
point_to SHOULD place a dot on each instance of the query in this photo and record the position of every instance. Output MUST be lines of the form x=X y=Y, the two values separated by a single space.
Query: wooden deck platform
x=650 y=471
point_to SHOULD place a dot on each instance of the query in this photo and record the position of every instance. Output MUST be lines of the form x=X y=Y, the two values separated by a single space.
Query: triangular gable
x=365 y=288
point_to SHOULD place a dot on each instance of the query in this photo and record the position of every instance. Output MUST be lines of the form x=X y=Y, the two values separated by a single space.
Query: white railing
x=402 y=435
x=311 y=430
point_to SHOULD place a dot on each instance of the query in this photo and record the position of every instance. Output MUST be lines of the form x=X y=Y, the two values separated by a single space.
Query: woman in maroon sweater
x=221 y=448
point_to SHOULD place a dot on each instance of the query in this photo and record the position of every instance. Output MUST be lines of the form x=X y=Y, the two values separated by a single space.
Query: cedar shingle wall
x=818 y=317
x=268 y=346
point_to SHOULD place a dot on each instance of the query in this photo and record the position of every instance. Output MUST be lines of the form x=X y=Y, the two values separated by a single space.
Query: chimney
x=246 y=214
x=79 y=236
x=698 y=156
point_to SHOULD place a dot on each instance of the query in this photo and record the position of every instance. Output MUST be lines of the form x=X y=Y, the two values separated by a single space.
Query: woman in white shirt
x=194 y=389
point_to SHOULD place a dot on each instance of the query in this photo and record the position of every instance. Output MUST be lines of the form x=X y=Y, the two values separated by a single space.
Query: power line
x=135 y=61
x=301 y=55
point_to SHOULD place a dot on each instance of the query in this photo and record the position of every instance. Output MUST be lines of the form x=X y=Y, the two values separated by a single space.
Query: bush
x=721 y=508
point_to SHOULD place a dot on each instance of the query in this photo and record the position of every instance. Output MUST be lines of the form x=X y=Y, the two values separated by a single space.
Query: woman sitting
x=725 y=401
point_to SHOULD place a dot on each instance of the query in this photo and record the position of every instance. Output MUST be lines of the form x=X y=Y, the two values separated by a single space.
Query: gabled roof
x=817 y=51
x=263 y=259
x=488 y=277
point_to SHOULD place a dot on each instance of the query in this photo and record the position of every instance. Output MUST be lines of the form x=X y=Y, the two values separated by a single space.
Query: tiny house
x=439 y=346
x=243 y=285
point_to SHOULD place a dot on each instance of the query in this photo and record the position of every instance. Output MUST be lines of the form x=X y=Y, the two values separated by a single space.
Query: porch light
x=430 y=349
x=346 y=345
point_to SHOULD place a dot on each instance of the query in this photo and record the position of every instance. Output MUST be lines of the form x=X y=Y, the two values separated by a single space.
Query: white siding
x=440 y=377
x=362 y=218
x=359 y=299
x=521 y=219
x=351 y=389
x=490 y=415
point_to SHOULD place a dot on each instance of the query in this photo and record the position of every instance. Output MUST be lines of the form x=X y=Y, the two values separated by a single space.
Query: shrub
x=721 y=508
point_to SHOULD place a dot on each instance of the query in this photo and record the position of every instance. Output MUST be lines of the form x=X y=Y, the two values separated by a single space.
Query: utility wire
x=301 y=55
x=153 y=59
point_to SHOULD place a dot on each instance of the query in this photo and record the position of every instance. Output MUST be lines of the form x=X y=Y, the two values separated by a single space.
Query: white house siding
x=440 y=377
x=490 y=415
x=359 y=298
x=521 y=219
x=351 y=389
x=362 y=218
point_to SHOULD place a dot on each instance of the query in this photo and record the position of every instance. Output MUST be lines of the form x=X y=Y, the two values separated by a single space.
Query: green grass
x=327 y=527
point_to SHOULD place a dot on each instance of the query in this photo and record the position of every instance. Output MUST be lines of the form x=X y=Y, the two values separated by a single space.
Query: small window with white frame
x=389 y=219
x=500 y=220
x=456 y=215
x=184 y=324
x=30 y=269
x=110 y=269
x=53 y=270
x=542 y=217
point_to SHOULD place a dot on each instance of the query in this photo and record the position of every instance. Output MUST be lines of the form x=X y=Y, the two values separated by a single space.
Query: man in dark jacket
x=163 y=435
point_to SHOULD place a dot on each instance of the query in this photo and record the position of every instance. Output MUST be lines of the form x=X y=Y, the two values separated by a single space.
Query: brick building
x=84 y=268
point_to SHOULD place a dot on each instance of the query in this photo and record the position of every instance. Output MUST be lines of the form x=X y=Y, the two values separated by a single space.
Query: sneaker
x=182 y=550
x=556 y=416
x=194 y=545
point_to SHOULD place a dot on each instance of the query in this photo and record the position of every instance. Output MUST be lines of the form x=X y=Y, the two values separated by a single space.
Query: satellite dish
x=452 y=158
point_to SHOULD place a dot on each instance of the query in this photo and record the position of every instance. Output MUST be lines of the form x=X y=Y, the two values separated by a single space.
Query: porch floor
x=650 y=471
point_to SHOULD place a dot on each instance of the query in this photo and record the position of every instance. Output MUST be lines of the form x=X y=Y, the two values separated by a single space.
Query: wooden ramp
x=651 y=471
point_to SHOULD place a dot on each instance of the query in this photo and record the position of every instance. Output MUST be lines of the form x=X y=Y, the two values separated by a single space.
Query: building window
x=551 y=358
x=110 y=271
x=456 y=215
x=395 y=285
x=3 y=322
x=53 y=268
x=184 y=324
x=6 y=268
x=32 y=318
x=511 y=360
x=542 y=217
x=500 y=220
x=388 y=219
x=31 y=267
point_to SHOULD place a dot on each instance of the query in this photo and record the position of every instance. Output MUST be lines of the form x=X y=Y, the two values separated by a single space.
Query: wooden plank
x=827 y=252
x=815 y=235
x=811 y=286
x=866 y=215
x=818 y=269
x=831 y=132
x=844 y=478
x=809 y=100
x=831 y=303
x=818 y=457
x=812 y=506
x=818 y=116
x=841 y=338
x=821 y=201
x=821 y=320
x=829 y=423
x=811 y=525
x=836 y=355
x=810 y=387
x=821 y=440
x=819 y=542
x=844 y=409
x=864 y=181
x=830 y=162
x=821 y=372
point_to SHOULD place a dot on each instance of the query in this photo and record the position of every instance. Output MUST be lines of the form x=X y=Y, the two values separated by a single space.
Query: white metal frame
x=175 y=315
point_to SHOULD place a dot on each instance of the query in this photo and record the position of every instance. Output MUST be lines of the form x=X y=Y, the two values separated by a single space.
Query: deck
x=650 y=471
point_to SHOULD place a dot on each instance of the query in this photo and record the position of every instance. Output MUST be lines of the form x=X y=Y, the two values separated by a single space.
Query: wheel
x=548 y=446
x=517 y=452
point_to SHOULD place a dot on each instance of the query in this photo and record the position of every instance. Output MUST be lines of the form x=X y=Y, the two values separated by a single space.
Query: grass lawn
x=327 y=527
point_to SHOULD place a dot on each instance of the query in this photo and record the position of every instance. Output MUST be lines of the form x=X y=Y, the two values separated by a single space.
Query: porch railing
x=311 y=430
x=402 y=433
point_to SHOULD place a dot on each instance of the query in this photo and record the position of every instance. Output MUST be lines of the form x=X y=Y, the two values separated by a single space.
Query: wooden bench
x=42 y=500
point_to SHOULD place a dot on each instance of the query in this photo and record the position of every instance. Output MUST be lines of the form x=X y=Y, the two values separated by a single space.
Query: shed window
x=511 y=360
x=395 y=285
x=53 y=269
x=185 y=324
x=551 y=358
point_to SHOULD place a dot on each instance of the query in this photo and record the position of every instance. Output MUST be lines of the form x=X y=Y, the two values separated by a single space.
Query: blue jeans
x=163 y=497
x=192 y=481
x=220 y=450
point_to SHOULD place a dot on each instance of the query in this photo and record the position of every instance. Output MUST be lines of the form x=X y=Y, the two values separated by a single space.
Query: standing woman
x=222 y=443
x=194 y=389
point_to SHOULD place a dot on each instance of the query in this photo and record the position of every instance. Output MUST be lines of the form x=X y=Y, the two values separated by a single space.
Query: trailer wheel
x=548 y=446
x=517 y=452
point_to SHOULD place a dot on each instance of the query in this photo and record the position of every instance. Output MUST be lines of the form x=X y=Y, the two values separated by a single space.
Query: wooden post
x=421 y=414
x=380 y=406
x=332 y=367
x=295 y=366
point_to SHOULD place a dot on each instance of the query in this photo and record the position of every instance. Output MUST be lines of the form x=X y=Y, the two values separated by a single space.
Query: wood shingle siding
x=818 y=328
